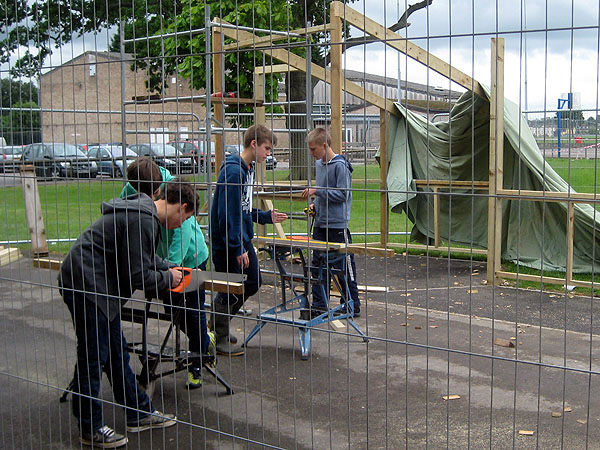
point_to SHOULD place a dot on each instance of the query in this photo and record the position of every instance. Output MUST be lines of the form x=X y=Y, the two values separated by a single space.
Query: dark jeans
x=101 y=347
x=224 y=261
x=193 y=318
x=346 y=262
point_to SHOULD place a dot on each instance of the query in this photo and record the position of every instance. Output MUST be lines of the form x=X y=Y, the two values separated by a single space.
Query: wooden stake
x=33 y=210
x=496 y=160
x=217 y=82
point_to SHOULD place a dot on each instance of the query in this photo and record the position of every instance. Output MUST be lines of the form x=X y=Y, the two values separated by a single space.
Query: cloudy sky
x=551 y=44
x=541 y=46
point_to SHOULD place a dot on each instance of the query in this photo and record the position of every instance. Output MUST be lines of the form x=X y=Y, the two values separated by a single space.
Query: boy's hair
x=144 y=176
x=261 y=133
x=319 y=136
x=175 y=191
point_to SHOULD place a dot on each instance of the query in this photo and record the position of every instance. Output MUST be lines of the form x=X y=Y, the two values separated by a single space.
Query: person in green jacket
x=185 y=247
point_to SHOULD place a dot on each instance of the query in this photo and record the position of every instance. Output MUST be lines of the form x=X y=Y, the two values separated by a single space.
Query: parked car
x=9 y=158
x=233 y=149
x=57 y=159
x=194 y=149
x=109 y=159
x=167 y=156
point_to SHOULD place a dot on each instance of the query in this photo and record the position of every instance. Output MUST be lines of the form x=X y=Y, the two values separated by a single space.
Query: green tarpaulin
x=534 y=233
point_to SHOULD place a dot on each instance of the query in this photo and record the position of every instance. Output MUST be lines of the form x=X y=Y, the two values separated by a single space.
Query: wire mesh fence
x=299 y=225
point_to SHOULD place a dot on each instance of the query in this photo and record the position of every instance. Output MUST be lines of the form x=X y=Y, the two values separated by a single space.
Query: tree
x=22 y=124
x=15 y=91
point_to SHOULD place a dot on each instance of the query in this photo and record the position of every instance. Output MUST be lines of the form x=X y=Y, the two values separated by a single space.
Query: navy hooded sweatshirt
x=115 y=256
x=232 y=215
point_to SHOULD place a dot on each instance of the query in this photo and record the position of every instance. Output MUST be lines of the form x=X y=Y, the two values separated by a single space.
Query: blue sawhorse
x=295 y=311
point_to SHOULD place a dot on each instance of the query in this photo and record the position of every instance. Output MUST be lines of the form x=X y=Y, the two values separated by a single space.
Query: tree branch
x=402 y=23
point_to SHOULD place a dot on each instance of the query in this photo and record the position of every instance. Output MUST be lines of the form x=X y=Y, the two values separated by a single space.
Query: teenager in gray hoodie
x=332 y=203
x=108 y=262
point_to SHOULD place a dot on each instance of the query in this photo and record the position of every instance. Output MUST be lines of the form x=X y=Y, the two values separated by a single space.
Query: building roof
x=113 y=56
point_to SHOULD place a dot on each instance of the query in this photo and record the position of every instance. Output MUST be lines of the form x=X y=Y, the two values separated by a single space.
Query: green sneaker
x=212 y=349
x=194 y=380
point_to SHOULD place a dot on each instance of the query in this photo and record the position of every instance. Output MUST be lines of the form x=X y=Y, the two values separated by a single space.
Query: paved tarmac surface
x=429 y=337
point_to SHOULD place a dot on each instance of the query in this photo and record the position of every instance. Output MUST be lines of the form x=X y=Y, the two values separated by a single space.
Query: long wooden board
x=355 y=249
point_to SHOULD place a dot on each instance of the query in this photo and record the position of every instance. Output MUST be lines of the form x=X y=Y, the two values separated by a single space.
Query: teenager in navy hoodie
x=232 y=230
x=332 y=204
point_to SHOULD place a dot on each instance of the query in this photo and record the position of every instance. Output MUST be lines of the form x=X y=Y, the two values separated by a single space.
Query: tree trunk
x=299 y=155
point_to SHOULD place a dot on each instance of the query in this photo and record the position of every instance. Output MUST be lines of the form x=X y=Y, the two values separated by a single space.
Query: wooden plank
x=226 y=287
x=498 y=76
x=549 y=196
x=274 y=195
x=436 y=218
x=33 y=210
x=47 y=263
x=275 y=68
x=384 y=207
x=544 y=279
x=278 y=227
x=453 y=183
x=570 y=231
x=405 y=46
x=356 y=249
x=9 y=255
x=266 y=41
x=317 y=71
x=474 y=251
x=335 y=56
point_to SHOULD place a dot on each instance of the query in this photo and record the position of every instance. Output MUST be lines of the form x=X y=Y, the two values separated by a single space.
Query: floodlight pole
x=561 y=104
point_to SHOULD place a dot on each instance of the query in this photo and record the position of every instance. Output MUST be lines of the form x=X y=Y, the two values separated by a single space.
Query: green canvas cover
x=534 y=233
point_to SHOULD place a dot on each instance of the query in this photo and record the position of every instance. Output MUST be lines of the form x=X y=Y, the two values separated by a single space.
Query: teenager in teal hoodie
x=185 y=247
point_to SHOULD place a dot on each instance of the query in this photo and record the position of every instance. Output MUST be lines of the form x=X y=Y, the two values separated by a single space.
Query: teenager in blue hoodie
x=332 y=204
x=232 y=230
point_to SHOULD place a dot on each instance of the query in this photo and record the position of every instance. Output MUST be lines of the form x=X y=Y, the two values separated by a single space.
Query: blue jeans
x=342 y=262
x=192 y=320
x=225 y=261
x=101 y=347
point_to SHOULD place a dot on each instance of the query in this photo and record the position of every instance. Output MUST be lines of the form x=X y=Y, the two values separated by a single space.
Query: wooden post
x=436 y=217
x=570 y=232
x=33 y=211
x=496 y=160
x=335 y=52
x=217 y=82
x=260 y=119
x=383 y=172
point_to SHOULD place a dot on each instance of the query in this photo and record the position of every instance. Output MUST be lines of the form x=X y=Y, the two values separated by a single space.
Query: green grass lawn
x=70 y=207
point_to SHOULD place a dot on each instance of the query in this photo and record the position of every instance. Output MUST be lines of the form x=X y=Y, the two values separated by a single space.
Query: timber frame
x=341 y=13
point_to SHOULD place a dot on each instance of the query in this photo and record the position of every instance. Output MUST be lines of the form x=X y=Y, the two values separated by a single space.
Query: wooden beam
x=570 y=232
x=268 y=205
x=265 y=41
x=275 y=68
x=317 y=71
x=468 y=251
x=356 y=249
x=335 y=55
x=545 y=280
x=217 y=82
x=436 y=218
x=496 y=156
x=405 y=46
x=549 y=196
x=9 y=255
x=47 y=263
x=384 y=207
x=453 y=183
x=33 y=210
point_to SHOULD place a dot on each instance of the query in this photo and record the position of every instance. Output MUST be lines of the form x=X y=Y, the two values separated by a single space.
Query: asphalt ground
x=386 y=393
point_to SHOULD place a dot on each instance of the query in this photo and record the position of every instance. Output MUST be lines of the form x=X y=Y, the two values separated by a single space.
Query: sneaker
x=212 y=349
x=343 y=310
x=154 y=420
x=104 y=437
x=194 y=380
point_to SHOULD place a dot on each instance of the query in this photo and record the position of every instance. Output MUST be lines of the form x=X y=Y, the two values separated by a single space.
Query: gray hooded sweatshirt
x=115 y=256
x=334 y=196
